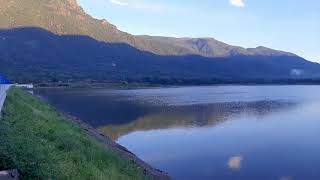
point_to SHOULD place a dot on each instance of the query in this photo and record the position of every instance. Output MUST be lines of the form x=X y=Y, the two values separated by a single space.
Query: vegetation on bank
x=42 y=144
x=167 y=82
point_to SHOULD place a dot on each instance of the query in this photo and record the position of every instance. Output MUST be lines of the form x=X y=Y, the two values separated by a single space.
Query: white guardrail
x=3 y=94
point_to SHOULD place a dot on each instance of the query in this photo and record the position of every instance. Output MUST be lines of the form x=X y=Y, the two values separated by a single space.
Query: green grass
x=41 y=144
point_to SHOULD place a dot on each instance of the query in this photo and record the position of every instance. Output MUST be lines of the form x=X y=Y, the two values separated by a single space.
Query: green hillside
x=68 y=18
x=62 y=43
x=58 y=16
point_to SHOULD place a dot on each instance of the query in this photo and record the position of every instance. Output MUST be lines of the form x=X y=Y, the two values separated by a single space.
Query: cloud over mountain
x=237 y=3
x=140 y=5
x=117 y=2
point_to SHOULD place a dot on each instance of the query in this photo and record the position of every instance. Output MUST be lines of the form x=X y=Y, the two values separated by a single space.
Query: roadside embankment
x=3 y=94
x=41 y=143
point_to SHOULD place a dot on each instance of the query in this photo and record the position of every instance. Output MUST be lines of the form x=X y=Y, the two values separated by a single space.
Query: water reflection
x=278 y=144
x=234 y=162
x=226 y=132
x=199 y=115
x=286 y=178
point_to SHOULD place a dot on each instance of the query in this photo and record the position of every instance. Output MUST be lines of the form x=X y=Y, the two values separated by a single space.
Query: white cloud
x=237 y=3
x=119 y=2
x=140 y=4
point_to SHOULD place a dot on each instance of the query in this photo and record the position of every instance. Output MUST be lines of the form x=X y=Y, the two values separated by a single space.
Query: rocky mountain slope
x=67 y=17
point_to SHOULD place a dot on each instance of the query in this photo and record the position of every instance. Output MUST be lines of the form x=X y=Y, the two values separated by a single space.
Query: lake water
x=218 y=132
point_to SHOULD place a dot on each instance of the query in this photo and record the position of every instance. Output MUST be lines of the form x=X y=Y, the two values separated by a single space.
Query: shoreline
x=109 y=144
x=41 y=143
x=174 y=86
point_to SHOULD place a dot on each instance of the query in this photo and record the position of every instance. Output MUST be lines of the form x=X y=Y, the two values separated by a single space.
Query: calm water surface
x=219 y=132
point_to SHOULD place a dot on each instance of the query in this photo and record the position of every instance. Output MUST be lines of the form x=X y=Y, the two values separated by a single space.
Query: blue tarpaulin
x=3 y=80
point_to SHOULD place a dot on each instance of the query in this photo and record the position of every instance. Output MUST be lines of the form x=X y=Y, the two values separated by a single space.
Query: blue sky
x=290 y=25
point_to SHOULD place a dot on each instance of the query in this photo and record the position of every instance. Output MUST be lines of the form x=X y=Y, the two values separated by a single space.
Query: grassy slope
x=40 y=143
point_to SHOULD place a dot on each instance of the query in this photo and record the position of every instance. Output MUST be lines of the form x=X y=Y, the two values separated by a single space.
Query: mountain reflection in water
x=194 y=116
x=218 y=132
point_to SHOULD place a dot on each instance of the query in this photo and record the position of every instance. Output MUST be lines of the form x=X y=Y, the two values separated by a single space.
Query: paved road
x=9 y=175
x=3 y=94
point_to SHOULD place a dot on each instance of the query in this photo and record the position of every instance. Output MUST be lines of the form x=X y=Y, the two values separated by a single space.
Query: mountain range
x=46 y=40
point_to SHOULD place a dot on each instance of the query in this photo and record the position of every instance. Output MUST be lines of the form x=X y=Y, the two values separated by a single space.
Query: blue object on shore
x=3 y=80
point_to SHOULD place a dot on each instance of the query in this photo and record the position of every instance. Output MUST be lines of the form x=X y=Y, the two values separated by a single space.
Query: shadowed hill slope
x=37 y=55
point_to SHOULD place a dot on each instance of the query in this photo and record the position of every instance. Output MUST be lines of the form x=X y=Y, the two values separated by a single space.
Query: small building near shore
x=24 y=86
